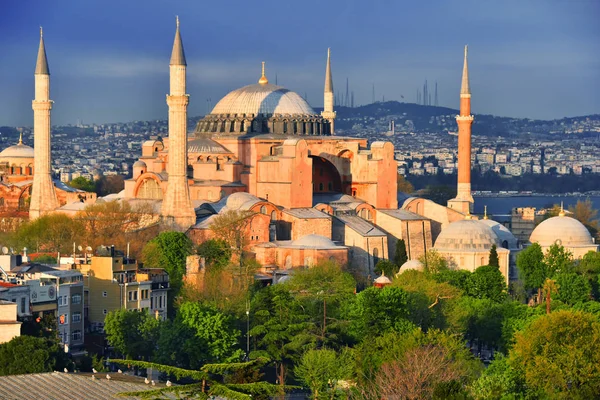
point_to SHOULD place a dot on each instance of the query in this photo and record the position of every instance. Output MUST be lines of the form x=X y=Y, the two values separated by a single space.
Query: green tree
x=558 y=259
x=487 y=282
x=478 y=320
x=208 y=381
x=131 y=333
x=494 y=262
x=319 y=287
x=386 y=267
x=28 y=355
x=434 y=262
x=400 y=256
x=572 y=288
x=217 y=253
x=404 y=186
x=169 y=250
x=499 y=381
x=375 y=311
x=280 y=328
x=459 y=278
x=321 y=370
x=558 y=355
x=584 y=212
x=532 y=268
x=199 y=334
x=51 y=233
x=82 y=183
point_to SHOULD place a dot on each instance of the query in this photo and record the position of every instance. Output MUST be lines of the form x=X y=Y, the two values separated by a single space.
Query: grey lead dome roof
x=262 y=99
x=315 y=241
x=568 y=230
x=467 y=235
x=18 y=151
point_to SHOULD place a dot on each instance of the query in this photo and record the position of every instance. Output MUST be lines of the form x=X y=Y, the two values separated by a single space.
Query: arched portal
x=149 y=189
x=326 y=177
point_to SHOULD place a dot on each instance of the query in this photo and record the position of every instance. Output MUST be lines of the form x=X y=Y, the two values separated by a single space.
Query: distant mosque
x=312 y=195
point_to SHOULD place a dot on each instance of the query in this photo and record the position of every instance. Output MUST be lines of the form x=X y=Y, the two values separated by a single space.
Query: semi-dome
x=467 y=235
x=18 y=151
x=507 y=239
x=315 y=242
x=262 y=99
x=139 y=164
x=236 y=200
x=563 y=230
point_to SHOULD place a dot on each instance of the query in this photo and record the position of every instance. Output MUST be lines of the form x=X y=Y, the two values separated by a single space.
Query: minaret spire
x=177 y=210
x=328 y=112
x=464 y=87
x=43 y=196
x=464 y=200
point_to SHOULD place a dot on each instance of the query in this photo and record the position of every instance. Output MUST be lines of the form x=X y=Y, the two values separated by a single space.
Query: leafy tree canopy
x=82 y=183
x=28 y=355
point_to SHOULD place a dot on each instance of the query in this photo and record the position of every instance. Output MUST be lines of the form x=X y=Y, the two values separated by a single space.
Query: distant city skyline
x=109 y=60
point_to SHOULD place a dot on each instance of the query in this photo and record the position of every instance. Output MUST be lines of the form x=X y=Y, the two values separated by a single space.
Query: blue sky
x=109 y=59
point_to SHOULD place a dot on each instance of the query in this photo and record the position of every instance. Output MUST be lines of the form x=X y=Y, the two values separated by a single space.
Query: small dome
x=563 y=230
x=18 y=151
x=504 y=235
x=262 y=99
x=411 y=264
x=236 y=200
x=139 y=164
x=383 y=280
x=315 y=242
x=467 y=235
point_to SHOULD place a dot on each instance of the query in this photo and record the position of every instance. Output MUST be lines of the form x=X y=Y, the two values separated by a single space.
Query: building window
x=104 y=311
x=151 y=302
x=375 y=255
x=150 y=189
x=63 y=300
x=160 y=302
x=273 y=216
x=76 y=299
x=76 y=317
x=63 y=319
x=65 y=337
x=321 y=187
x=76 y=335
x=133 y=295
x=22 y=305
x=104 y=294
x=145 y=293
x=330 y=186
x=263 y=210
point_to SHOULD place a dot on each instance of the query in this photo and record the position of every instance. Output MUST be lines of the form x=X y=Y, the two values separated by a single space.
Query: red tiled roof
x=6 y=284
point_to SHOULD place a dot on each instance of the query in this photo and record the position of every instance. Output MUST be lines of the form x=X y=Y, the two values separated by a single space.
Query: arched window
x=375 y=255
x=263 y=210
x=308 y=261
x=369 y=216
x=482 y=262
x=242 y=126
x=505 y=244
x=321 y=187
x=288 y=262
x=219 y=164
x=273 y=216
x=150 y=189
x=330 y=186
x=285 y=127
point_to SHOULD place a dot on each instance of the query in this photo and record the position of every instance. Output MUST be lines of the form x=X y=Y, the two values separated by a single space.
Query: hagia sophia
x=312 y=195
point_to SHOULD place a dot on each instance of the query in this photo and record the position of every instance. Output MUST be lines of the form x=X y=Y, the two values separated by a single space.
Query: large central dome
x=264 y=99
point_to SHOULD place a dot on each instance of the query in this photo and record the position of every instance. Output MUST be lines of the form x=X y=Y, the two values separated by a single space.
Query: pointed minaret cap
x=464 y=87
x=263 y=79
x=41 y=67
x=177 y=55
x=328 y=79
x=485 y=216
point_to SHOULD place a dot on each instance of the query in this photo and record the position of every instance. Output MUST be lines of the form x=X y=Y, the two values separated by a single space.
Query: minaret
x=177 y=209
x=43 y=197
x=328 y=112
x=464 y=200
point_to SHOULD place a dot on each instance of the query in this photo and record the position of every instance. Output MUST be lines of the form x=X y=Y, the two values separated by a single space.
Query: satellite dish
x=5 y=250
x=12 y=251
x=89 y=248
x=79 y=248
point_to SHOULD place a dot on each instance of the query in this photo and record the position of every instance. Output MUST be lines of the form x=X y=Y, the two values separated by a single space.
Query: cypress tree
x=400 y=257
x=494 y=257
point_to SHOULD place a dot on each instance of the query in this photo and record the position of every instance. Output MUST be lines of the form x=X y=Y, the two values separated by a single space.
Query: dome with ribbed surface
x=262 y=99
x=467 y=235
x=563 y=230
x=17 y=151
x=503 y=234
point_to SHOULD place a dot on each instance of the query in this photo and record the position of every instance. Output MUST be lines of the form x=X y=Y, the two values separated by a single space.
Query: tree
x=499 y=381
x=216 y=253
x=232 y=227
x=131 y=333
x=321 y=370
x=208 y=381
x=487 y=282
x=404 y=186
x=494 y=262
x=532 y=269
x=572 y=288
x=375 y=311
x=280 y=328
x=584 y=212
x=478 y=320
x=550 y=287
x=51 y=233
x=199 y=334
x=82 y=183
x=400 y=256
x=459 y=278
x=321 y=286
x=169 y=250
x=558 y=355
x=433 y=261
x=558 y=259
x=28 y=355
x=110 y=184
x=386 y=267
x=439 y=194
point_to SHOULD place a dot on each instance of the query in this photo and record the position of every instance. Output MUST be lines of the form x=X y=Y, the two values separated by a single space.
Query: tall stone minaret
x=177 y=209
x=43 y=196
x=328 y=112
x=464 y=200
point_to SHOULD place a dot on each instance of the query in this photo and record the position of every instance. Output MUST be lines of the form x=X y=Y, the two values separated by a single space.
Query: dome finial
x=177 y=21
x=21 y=137
x=562 y=210
x=263 y=79
x=468 y=216
x=41 y=32
x=485 y=212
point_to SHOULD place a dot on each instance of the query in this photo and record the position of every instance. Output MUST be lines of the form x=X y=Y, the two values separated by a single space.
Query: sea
x=502 y=204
